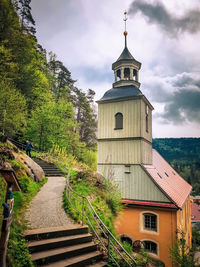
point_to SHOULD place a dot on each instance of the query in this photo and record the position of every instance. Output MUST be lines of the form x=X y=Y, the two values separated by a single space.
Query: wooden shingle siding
x=135 y=185
x=126 y=152
x=146 y=153
x=131 y=119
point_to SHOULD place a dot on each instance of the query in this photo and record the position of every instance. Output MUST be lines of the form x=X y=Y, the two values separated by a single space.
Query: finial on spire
x=125 y=32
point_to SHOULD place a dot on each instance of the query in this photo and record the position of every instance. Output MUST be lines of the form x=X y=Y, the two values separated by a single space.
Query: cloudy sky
x=87 y=35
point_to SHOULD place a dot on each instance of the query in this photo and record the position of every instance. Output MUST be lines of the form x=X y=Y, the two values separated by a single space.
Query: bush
x=17 y=252
x=112 y=196
x=24 y=183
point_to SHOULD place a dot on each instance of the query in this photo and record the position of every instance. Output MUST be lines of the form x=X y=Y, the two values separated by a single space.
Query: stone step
x=53 y=175
x=78 y=261
x=55 y=255
x=53 y=232
x=98 y=264
x=51 y=170
x=46 y=244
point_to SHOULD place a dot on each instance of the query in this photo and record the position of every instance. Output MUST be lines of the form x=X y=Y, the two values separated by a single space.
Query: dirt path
x=46 y=207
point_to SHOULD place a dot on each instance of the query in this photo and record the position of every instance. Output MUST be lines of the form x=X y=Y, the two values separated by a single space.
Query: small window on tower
x=118 y=121
x=135 y=74
x=118 y=75
x=147 y=118
x=127 y=74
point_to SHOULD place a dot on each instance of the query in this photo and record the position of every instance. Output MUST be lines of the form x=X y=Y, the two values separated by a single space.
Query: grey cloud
x=184 y=106
x=156 y=91
x=91 y=74
x=186 y=80
x=158 y=14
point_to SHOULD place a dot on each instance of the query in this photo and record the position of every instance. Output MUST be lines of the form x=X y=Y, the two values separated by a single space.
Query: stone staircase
x=49 y=168
x=63 y=246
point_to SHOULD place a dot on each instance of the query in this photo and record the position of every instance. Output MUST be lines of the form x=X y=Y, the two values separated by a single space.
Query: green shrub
x=113 y=197
x=16 y=164
x=17 y=252
x=24 y=183
x=89 y=157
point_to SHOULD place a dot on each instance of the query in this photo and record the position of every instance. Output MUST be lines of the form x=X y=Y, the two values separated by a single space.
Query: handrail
x=112 y=242
x=20 y=145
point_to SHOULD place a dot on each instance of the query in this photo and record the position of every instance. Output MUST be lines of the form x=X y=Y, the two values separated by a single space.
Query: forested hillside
x=183 y=154
x=39 y=100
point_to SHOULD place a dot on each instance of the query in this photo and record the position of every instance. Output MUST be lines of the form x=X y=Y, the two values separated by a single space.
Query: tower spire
x=125 y=32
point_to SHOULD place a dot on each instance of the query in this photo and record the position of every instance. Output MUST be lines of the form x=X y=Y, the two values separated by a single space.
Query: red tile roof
x=149 y=203
x=195 y=212
x=168 y=180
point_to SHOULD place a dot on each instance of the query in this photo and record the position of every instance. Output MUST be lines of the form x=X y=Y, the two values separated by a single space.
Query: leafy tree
x=51 y=124
x=180 y=254
x=12 y=109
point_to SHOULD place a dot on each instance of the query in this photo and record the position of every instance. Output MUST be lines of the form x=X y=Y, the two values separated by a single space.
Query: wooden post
x=12 y=184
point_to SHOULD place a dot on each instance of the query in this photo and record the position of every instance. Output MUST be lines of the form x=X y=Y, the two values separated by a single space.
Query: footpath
x=46 y=208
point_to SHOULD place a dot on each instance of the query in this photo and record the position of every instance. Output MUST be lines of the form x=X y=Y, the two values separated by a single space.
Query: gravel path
x=46 y=208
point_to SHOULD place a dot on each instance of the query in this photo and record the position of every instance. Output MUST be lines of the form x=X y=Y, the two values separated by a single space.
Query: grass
x=17 y=253
x=85 y=184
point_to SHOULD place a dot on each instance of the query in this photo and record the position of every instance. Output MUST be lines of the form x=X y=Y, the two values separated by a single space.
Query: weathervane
x=125 y=32
x=125 y=19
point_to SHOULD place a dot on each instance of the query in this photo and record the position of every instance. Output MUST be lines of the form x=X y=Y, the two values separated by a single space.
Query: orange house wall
x=184 y=222
x=128 y=222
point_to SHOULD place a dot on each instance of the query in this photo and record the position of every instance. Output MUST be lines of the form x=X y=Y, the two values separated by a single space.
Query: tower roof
x=125 y=55
x=121 y=92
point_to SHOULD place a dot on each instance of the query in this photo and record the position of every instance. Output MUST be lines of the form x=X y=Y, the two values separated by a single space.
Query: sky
x=87 y=36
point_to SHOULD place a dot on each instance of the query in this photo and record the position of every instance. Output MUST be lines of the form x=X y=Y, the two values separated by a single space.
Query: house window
x=150 y=247
x=147 y=118
x=118 y=121
x=150 y=221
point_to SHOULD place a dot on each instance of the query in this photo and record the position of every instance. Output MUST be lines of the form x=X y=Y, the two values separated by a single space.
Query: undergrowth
x=95 y=190
x=17 y=253
x=64 y=160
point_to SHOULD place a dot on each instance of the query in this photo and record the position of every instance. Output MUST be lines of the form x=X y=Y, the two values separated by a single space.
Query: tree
x=61 y=80
x=12 y=110
x=27 y=21
x=181 y=254
x=52 y=124
x=85 y=116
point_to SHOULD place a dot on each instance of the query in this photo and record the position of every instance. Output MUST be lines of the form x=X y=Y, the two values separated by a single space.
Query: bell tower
x=124 y=125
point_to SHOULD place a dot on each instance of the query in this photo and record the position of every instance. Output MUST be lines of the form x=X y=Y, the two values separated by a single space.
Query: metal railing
x=20 y=145
x=105 y=238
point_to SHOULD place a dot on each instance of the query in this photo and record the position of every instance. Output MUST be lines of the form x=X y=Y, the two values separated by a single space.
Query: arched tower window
x=147 y=118
x=118 y=121
x=135 y=75
x=118 y=74
x=127 y=74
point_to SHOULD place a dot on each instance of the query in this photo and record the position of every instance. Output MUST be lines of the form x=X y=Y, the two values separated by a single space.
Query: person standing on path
x=28 y=148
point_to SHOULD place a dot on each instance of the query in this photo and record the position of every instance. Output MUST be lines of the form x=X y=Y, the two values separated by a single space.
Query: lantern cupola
x=126 y=68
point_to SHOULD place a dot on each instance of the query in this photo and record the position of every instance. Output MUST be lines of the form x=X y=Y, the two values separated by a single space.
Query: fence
x=100 y=230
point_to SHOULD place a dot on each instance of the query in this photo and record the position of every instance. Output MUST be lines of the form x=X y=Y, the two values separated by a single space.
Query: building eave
x=143 y=203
